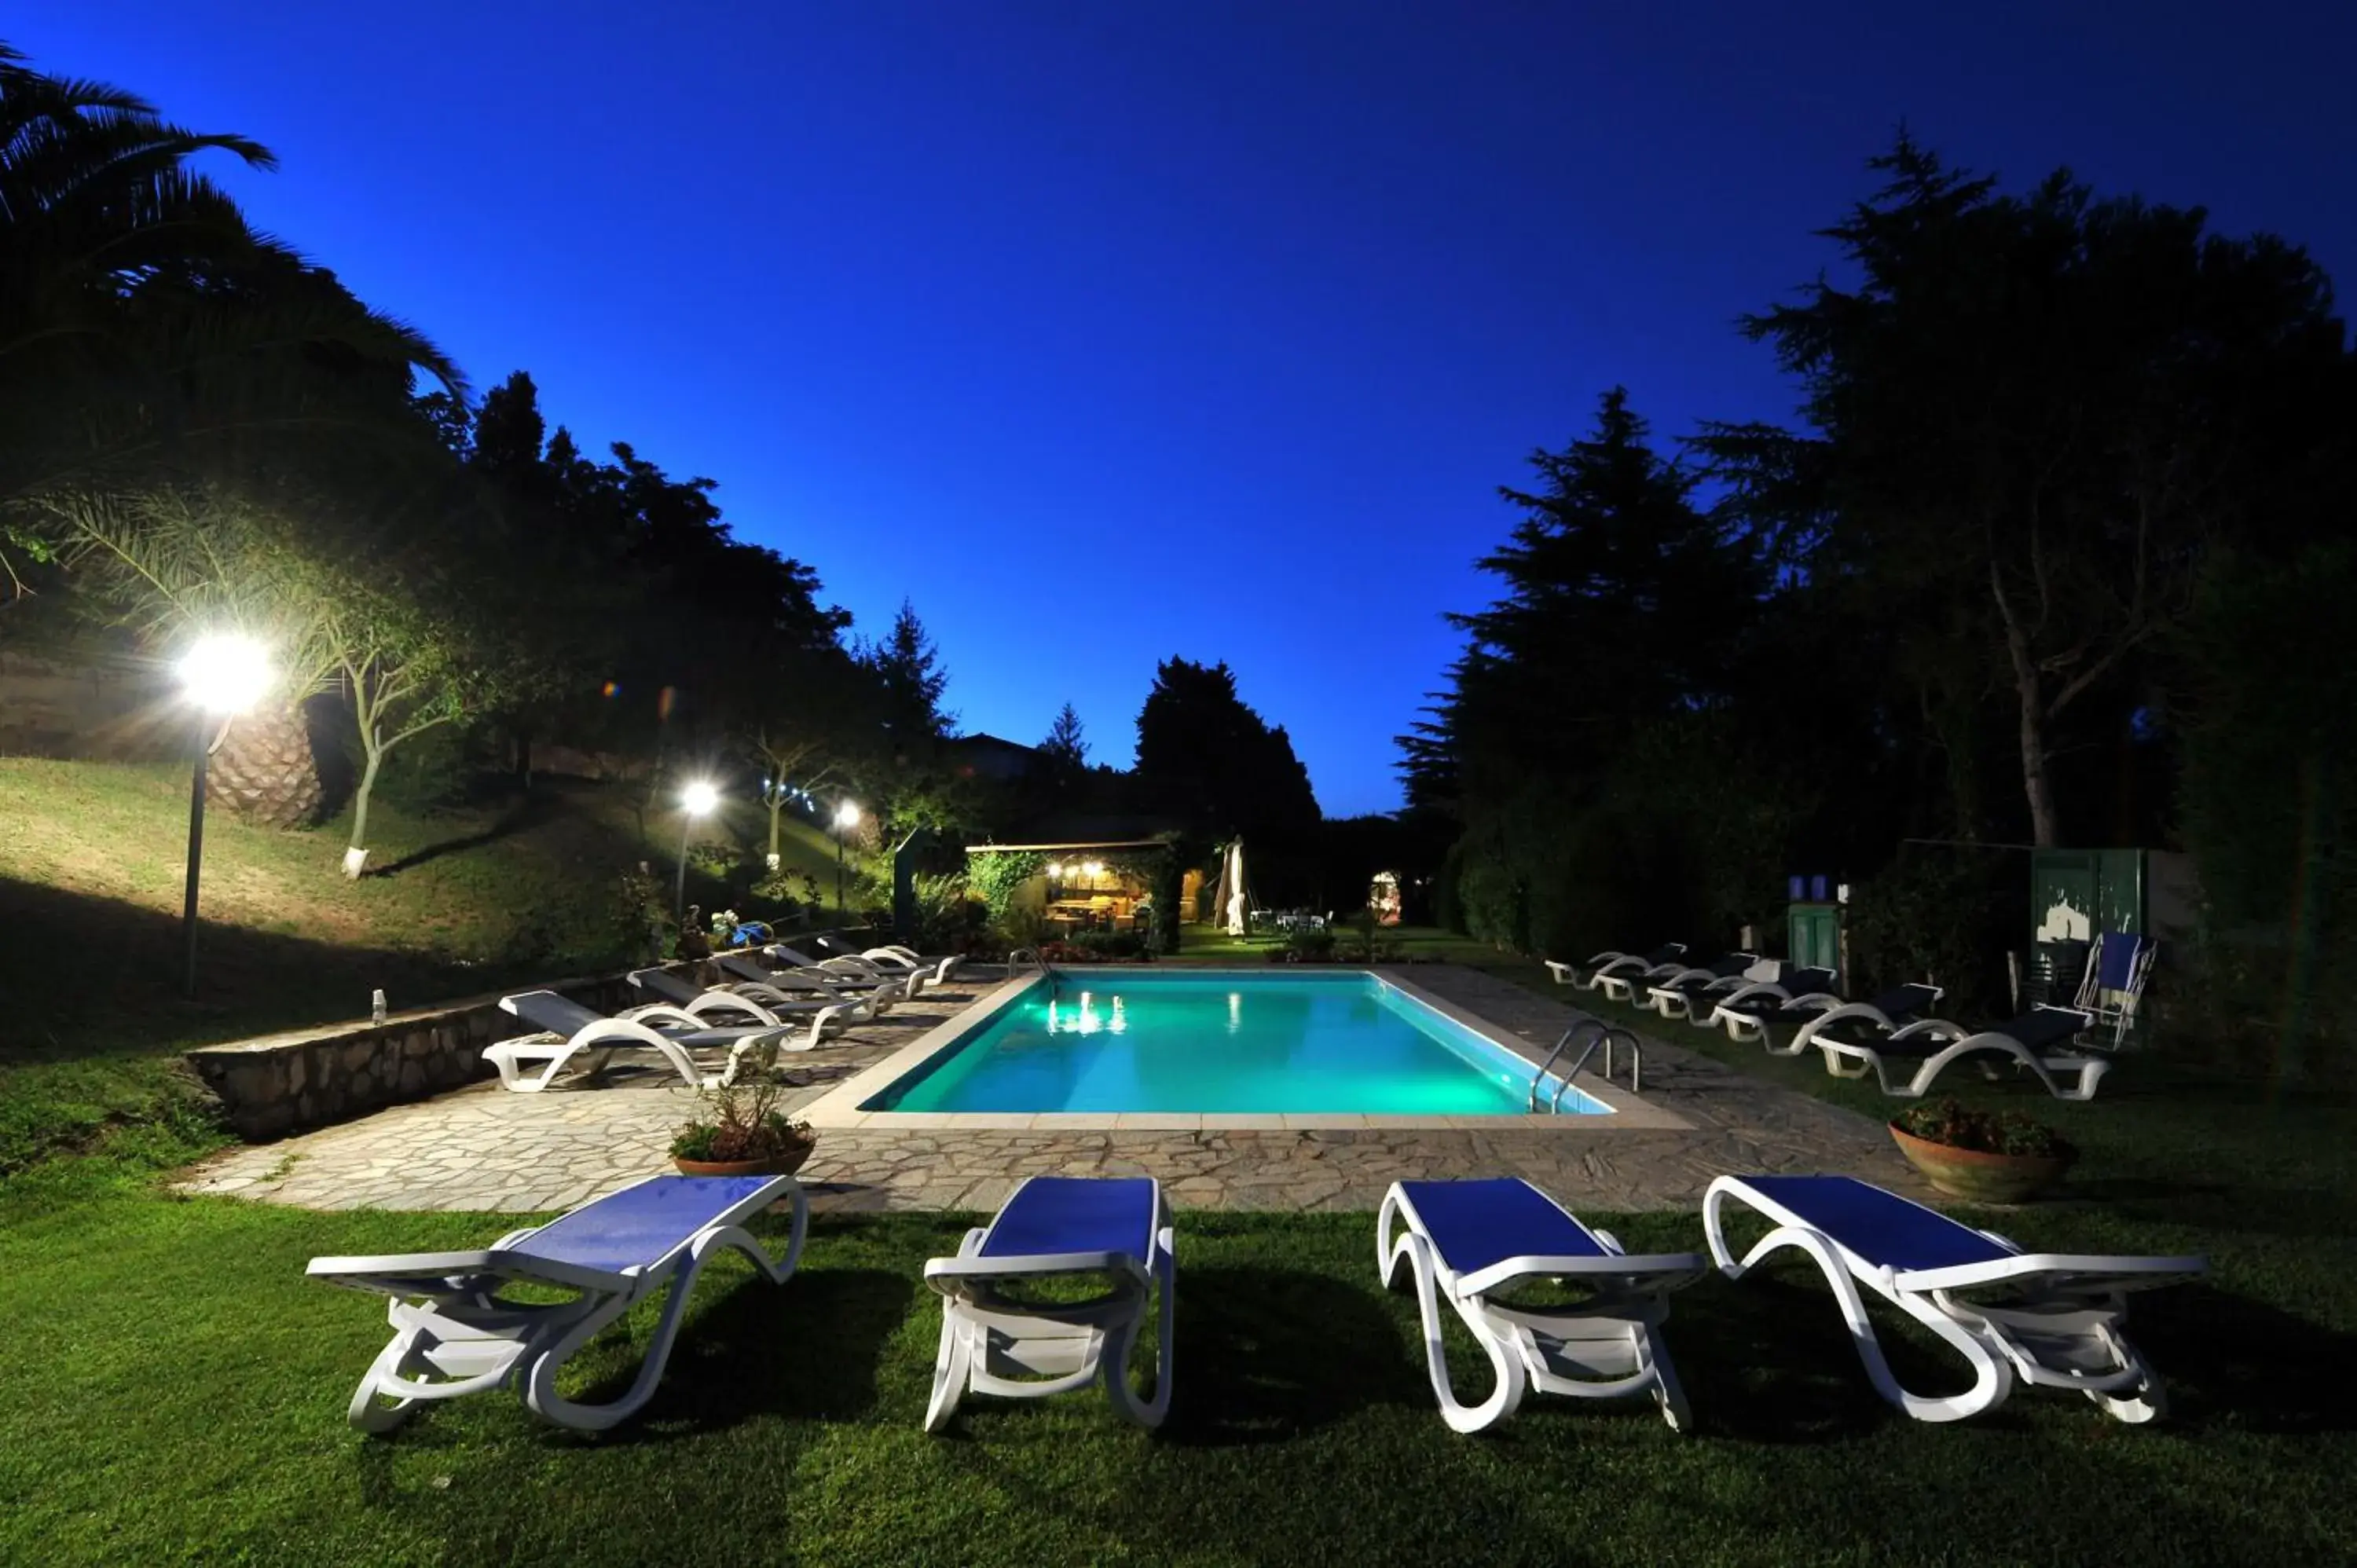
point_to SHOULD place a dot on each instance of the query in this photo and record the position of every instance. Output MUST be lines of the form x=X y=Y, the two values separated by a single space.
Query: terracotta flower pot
x=1979 y=1176
x=786 y=1163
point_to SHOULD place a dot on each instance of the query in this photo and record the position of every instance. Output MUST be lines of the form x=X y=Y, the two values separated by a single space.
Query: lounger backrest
x=1474 y=1224
x=1733 y=964
x=2043 y=1026
x=1802 y=981
x=2118 y=956
x=1048 y=1215
x=662 y=982
x=1901 y=1002
x=785 y=954
x=640 y=1226
x=1662 y=954
x=1879 y=1226
x=743 y=966
x=547 y=1010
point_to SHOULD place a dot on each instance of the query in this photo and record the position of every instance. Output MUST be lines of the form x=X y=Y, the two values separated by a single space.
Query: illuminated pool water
x=1143 y=1040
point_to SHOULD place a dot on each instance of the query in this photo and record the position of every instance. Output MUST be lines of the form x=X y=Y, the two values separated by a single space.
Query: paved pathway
x=482 y=1148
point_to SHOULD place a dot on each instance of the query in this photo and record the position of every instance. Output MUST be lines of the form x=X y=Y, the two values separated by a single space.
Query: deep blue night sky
x=1108 y=332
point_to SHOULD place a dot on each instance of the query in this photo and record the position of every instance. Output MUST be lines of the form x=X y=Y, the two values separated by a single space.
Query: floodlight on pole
x=846 y=817
x=222 y=675
x=698 y=800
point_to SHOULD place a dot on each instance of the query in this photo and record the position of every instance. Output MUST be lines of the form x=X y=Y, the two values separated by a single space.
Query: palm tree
x=150 y=338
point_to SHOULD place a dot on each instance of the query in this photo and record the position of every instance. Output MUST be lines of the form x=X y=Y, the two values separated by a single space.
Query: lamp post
x=223 y=675
x=696 y=800
x=846 y=817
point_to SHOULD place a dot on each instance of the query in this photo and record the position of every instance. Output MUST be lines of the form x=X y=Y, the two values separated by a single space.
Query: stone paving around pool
x=484 y=1148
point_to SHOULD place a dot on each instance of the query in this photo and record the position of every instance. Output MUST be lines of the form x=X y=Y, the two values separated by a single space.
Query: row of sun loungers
x=2046 y=1319
x=1906 y=1053
x=793 y=1002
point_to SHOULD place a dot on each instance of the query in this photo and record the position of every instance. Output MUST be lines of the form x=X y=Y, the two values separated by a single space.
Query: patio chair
x=775 y=985
x=1474 y=1241
x=1588 y=976
x=997 y=1340
x=721 y=1004
x=2114 y=980
x=1675 y=996
x=455 y=1333
x=1922 y=1050
x=1866 y=1022
x=2052 y=1319
x=923 y=973
x=566 y=1028
x=847 y=973
x=1743 y=1010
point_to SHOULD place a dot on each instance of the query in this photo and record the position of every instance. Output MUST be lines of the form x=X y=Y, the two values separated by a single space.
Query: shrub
x=1953 y=1125
x=1310 y=944
x=1938 y=914
x=742 y=1123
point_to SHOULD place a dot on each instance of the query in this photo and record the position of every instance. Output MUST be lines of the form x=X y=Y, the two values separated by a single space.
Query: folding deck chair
x=1474 y=1241
x=2052 y=1319
x=455 y=1333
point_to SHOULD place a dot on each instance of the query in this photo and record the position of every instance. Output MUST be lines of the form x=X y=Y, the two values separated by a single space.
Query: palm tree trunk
x=265 y=770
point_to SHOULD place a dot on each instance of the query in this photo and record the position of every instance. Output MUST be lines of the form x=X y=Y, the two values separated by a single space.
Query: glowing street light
x=222 y=675
x=698 y=800
x=846 y=817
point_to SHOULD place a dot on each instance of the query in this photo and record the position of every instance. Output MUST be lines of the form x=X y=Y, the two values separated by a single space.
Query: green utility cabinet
x=1813 y=925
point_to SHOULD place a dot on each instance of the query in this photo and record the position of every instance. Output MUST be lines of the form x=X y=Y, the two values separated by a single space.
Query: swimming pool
x=1128 y=1041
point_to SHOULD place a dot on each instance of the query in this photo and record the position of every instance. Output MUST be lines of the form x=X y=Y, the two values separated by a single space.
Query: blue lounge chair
x=1473 y=1242
x=1858 y=1023
x=2055 y=1319
x=1744 y=1011
x=1662 y=959
x=1906 y=1062
x=1111 y=1229
x=455 y=1334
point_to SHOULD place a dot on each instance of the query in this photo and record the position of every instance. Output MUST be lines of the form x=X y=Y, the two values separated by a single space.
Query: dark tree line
x=2010 y=580
x=201 y=431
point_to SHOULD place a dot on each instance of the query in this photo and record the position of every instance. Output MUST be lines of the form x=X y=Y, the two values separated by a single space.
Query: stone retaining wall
x=278 y=1084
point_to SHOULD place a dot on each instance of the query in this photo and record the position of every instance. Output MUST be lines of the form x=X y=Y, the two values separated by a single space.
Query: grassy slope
x=91 y=862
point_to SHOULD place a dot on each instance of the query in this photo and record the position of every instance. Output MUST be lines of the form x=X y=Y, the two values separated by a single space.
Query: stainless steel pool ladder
x=1604 y=1034
x=1025 y=956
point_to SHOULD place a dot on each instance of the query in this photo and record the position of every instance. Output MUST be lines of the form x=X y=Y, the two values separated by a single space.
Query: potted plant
x=741 y=1131
x=1985 y=1157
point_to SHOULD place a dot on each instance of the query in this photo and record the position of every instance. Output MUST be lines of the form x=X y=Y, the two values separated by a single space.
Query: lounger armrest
x=1035 y=1264
x=2065 y=1270
x=1608 y=1265
x=396 y=1272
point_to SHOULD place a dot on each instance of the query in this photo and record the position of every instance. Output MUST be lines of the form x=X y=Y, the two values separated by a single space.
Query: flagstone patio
x=483 y=1148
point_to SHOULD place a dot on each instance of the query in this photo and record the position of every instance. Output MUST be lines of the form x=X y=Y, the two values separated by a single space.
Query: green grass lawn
x=176 y=1389
x=172 y=1388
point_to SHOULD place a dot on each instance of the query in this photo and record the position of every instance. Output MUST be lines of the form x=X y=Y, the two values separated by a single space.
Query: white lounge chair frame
x=1846 y=1059
x=1025 y=1350
x=2062 y=1333
x=455 y=1334
x=637 y=1031
x=767 y=1004
x=1837 y=1010
x=1588 y=975
x=1663 y=997
x=1601 y=1348
x=1743 y=1026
